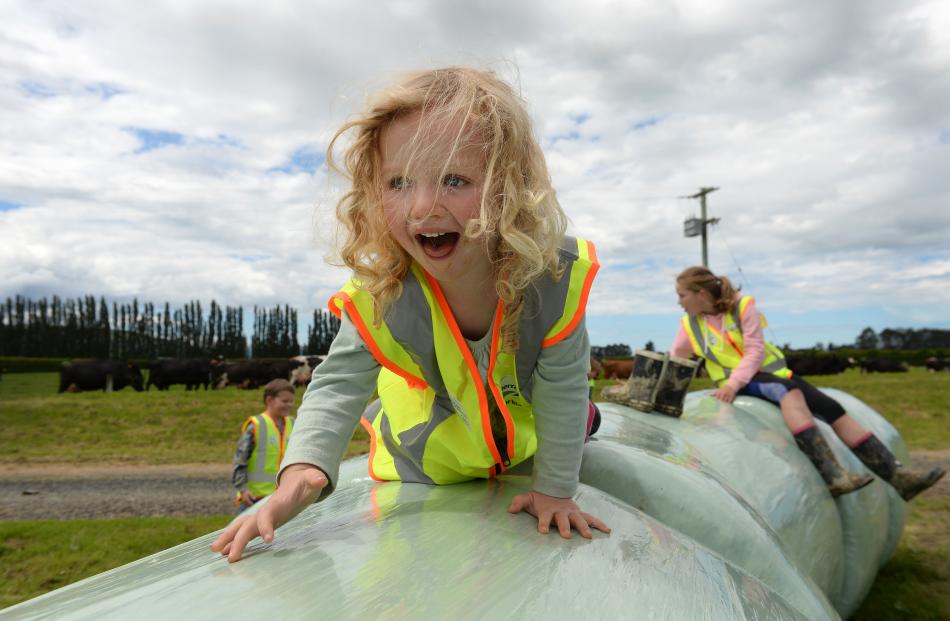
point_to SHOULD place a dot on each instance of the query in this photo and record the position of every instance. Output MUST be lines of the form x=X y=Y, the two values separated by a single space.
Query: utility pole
x=697 y=226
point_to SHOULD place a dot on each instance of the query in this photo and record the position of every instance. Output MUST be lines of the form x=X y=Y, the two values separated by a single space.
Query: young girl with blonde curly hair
x=465 y=312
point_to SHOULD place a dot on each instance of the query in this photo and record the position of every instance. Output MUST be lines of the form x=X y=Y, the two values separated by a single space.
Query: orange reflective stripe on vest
x=433 y=421
x=723 y=350
x=269 y=445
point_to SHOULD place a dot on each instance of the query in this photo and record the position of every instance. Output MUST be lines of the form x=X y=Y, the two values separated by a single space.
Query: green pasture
x=39 y=426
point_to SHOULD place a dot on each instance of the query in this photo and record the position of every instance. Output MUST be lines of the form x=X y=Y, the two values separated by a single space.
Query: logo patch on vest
x=457 y=406
x=509 y=391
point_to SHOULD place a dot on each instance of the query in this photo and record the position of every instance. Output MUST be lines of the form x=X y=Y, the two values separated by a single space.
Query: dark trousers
x=773 y=389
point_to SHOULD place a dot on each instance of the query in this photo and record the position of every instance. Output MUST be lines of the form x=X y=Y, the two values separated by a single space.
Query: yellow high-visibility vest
x=433 y=420
x=269 y=446
x=723 y=350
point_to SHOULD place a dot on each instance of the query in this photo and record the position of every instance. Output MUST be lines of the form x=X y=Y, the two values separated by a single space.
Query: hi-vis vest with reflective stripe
x=269 y=446
x=723 y=351
x=433 y=420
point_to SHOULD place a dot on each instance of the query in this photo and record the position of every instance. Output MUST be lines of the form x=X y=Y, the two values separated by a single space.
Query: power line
x=745 y=279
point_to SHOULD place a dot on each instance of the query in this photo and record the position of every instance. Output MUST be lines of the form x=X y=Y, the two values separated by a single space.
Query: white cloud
x=824 y=125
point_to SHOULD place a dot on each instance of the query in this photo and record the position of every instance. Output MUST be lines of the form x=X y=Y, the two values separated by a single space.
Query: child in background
x=726 y=329
x=263 y=442
x=465 y=311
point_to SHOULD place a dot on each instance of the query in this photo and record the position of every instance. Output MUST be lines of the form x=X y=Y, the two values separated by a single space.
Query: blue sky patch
x=250 y=258
x=37 y=89
x=570 y=136
x=9 y=206
x=223 y=140
x=645 y=123
x=579 y=119
x=152 y=139
x=944 y=136
x=104 y=91
x=306 y=159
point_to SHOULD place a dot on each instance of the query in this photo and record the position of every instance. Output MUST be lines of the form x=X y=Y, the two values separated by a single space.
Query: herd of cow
x=215 y=373
x=192 y=373
x=801 y=364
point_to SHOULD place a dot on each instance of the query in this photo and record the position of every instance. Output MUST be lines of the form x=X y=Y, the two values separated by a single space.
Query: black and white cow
x=99 y=375
x=192 y=372
x=883 y=365
x=254 y=373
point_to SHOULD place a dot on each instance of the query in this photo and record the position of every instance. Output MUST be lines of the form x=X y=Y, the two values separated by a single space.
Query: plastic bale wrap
x=748 y=445
x=877 y=424
x=411 y=551
x=838 y=543
x=715 y=515
x=671 y=481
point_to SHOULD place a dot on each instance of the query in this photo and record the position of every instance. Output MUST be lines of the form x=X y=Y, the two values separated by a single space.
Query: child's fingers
x=227 y=536
x=315 y=480
x=265 y=524
x=563 y=521
x=596 y=523
x=519 y=503
x=544 y=521
x=579 y=522
x=247 y=532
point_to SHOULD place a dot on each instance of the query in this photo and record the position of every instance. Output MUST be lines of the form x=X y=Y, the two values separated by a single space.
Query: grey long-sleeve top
x=344 y=383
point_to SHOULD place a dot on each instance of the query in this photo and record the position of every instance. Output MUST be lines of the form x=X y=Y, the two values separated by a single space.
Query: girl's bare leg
x=795 y=411
x=849 y=430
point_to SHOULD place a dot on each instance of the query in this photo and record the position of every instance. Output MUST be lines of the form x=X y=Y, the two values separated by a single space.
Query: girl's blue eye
x=399 y=183
x=454 y=181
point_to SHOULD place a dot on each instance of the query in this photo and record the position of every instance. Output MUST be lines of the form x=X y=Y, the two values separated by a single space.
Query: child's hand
x=247 y=498
x=300 y=485
x=564 y=512
x=725 y=394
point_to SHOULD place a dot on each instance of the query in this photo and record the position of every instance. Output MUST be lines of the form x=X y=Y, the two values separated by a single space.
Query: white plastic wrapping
x=715 y=516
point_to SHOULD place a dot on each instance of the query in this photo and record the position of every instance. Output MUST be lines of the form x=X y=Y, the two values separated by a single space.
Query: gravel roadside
x=69 y=491
x=65 y=491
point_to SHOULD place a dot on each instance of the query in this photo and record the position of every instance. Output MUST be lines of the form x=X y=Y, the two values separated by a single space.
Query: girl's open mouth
x=437 y=245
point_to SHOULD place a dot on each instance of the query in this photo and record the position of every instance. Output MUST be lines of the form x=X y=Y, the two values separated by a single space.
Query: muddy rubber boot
x=839 y=481
x=639 y=391
x=673 y=386
x=881 y=461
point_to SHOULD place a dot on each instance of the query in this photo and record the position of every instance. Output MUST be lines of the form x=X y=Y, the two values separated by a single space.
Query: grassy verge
x=39 y=556
x=915 y=583
x=154 y=427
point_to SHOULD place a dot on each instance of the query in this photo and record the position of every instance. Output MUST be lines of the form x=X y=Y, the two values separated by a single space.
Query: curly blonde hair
x=520 y=220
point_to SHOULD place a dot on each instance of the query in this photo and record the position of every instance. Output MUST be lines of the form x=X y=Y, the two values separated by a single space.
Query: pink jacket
x=753 y=346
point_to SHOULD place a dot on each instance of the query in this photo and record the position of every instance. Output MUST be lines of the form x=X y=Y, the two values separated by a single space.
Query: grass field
x=155 y=427
x=146 y=428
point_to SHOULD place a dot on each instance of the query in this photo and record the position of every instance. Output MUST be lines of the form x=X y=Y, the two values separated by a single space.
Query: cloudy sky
x=173 y=150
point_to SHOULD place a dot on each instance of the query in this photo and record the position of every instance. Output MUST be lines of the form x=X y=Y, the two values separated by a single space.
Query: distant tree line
x=616 y=350
x=85 y=328
x=322 y=331
x=889 y=339
x=903 y=338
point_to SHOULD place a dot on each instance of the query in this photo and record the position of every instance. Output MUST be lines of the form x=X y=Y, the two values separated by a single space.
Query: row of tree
x=83 y=327
x=903 y=338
